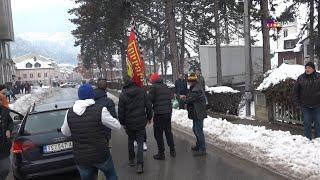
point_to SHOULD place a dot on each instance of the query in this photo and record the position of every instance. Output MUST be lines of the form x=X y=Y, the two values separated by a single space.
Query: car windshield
x=44 y=122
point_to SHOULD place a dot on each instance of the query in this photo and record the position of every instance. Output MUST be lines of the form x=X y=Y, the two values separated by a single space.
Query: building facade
x=7 y=69
x=35 y=69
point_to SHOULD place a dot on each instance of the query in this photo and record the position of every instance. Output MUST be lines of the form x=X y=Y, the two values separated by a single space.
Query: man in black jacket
x=6 y=126
x=196 y=105
x=102 y=99
x=181 y=90
x=161 y=96
x=135 y=110
x=307 y=97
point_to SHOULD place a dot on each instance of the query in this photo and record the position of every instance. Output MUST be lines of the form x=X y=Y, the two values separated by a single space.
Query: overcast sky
x=42 y=19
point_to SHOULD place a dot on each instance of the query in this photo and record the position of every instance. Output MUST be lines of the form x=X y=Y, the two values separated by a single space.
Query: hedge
x=227 y=103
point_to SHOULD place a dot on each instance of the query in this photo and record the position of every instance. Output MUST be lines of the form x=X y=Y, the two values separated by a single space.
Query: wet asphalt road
x=217 y=165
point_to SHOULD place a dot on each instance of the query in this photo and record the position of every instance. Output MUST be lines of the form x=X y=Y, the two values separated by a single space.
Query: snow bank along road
x=291 y=155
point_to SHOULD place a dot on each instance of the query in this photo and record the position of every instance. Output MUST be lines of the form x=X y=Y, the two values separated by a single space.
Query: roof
x=45 y=63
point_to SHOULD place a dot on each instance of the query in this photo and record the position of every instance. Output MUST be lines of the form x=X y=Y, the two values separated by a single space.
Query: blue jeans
x=311 y=115
x=89 y=172
x=198 y=132
x=4 y=168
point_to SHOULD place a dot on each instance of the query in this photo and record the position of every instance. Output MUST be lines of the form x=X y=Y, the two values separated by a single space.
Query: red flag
x=134 y=61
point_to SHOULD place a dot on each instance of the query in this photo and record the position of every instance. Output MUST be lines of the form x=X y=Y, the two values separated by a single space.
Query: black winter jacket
x=134 y=107
x=307 y=90
x=89 y=136
x=160 y=97
x=196 y=103
x=6 y=123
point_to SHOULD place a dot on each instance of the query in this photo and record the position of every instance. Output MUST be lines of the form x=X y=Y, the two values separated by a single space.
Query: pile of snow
x=292 y=155
x=221 y=89
x=280 y=74
x=23 y=103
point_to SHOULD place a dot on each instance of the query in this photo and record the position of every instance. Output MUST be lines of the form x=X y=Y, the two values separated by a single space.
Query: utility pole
x=248 y=88
x=218 y=42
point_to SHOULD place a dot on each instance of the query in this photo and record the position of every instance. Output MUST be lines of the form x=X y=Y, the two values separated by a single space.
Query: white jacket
x=80 y=107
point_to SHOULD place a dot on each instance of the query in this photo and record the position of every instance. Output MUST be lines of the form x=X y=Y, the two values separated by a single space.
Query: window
x=285 y=33
x=31 y=75
x=24 y=75
x=28 y=65
x=290 y=44
x=37 y=65
x=39 y=75
x=45 y=74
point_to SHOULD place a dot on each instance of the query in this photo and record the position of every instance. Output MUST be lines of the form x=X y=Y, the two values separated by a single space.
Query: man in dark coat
x=102 y=99
x=86 y=123
x=160 y=97
x=307 y=97
x=6 y=127
x=135 y=111
x=181 y=90
x=196 y=105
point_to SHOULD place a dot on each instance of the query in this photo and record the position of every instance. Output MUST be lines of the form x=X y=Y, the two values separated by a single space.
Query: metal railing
x=287 y=113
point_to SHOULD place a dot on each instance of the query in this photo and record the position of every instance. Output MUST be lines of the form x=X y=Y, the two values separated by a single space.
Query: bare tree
x=265 y=32
x=170 y=20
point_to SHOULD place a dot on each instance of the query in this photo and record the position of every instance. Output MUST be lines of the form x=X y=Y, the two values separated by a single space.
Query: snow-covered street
x=291 y=155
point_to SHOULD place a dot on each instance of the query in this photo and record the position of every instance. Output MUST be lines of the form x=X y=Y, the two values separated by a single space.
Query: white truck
x=233 y=64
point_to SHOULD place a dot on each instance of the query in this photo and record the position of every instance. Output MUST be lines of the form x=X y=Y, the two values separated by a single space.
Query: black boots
x=159 y=156
x=139 y=169
x=173 y=153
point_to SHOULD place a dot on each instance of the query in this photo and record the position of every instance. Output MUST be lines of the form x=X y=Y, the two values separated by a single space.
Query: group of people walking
x=90 y=122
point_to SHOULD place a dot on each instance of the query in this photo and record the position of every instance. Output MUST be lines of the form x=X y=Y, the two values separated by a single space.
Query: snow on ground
x=243 y=113
x=280 y=74
x=221 y=89
x=291 y=155
x=24 y=102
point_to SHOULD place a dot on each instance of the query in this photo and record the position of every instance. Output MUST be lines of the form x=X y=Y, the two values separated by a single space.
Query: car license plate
x=57 y=147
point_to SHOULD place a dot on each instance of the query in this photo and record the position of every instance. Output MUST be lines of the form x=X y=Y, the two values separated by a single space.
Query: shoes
x=173 y=153
x=194 y=148
x=131 y=163
x=199 y=153
x=159 y=156
x=139 y=169
x=145 y=147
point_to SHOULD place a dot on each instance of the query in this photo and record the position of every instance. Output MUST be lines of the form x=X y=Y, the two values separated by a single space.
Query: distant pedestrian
x=160 y=97
x=85 y=122
x=6 y=127
x=27 y=88
x=196 y=105
x=181 y=90
x=135 y=111
x=307 y=97
x=102 y=99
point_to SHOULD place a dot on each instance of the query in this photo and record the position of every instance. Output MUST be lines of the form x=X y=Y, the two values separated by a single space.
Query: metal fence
x=287 y=113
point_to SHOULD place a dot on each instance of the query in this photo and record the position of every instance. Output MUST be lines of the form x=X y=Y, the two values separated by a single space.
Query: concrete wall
x=233 y=64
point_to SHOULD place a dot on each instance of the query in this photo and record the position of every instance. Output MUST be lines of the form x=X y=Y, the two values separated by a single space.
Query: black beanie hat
x=311 y=64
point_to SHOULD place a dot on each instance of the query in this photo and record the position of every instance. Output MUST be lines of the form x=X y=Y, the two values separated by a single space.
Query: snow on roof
x=298 y=48
x=44 y=64
x=221 y=89
x=291 y=155
x=280 y=74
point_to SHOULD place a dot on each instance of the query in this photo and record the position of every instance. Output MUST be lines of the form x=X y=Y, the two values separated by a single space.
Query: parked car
x=39 y=148
x=68 y=85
